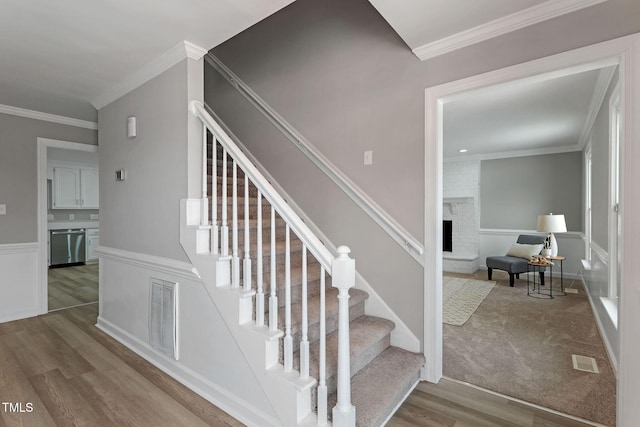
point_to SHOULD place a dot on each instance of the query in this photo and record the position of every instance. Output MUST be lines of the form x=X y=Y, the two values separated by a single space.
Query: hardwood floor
x=71 y=286
x=449 y=404
x=70 y=373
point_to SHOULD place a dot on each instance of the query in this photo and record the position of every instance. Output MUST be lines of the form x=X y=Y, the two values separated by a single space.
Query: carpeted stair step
x=369 y=336
x=378 y=388
x=356 y=309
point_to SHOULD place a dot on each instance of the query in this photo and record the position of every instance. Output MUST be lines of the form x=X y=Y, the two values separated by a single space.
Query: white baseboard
x=223 y=399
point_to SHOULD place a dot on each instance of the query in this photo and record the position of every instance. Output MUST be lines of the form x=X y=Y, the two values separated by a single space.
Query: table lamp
x=552 y=224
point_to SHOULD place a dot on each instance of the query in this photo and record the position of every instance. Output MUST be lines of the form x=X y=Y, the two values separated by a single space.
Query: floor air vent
x=163 y=317
x=584 y=363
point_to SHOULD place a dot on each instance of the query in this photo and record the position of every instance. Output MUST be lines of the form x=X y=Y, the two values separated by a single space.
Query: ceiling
x=62 y=57
x=57 y=57
x=529 y=117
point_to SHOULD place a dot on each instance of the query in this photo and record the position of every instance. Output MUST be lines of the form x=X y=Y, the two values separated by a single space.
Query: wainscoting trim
x=150 y=262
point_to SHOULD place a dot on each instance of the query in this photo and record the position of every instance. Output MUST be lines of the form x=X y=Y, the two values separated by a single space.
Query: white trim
x=19 y=248
x=156 y=67
x=578 y=235
x=615 y=165
x=43 y=145
x=601 y=331
x=151 y=262
x=401 y=336
x=613 y=52
x=220 y=397
x=602 y=84
x=600 y=253
x=366 y=203
x=46 y=117
x=517 y=153
x=516 y=21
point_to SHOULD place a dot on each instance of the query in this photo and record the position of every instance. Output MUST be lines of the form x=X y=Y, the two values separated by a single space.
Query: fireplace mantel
x=453 y=202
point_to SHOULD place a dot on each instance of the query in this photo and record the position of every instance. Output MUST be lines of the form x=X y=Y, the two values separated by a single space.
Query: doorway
x=68 y=224
x=623 y=52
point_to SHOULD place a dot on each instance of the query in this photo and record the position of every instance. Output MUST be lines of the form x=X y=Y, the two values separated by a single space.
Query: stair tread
x=378 y=388
x=313 y=307
x=364 y=333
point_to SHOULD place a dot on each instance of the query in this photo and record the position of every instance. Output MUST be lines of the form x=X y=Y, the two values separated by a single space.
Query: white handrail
x=366 y=203
x=315 y=246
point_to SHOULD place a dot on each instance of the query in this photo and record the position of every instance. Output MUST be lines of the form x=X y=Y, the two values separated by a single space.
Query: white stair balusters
x=259 y=278
x=304 y=343
x=235 y=259
x=246 y=276
x=344 y=278
x=224 y=229
x=341 y=268
x=204 y=212
x=273 y=298
x=322 y=368
x=214 y=194
x=288 y=340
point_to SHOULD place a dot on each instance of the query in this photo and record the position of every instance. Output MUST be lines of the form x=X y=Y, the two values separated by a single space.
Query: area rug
x=461 y=297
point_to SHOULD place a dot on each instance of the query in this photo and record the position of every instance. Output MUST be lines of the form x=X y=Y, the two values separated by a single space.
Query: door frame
x=43 y=231
x=625 y=52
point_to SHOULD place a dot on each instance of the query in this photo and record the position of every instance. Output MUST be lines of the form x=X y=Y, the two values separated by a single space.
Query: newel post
x=343 y=276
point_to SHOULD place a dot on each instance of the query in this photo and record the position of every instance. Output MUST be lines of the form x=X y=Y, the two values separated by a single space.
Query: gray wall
x=515 y=191
x=19 y=171
x=141 y=214
x=345 y=80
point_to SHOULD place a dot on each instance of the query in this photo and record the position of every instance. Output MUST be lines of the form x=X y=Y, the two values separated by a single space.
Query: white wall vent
x=163 y=315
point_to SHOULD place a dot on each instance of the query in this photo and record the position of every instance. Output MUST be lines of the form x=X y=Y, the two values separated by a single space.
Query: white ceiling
x=526 y=118
x=57 y=57
x=62 y=57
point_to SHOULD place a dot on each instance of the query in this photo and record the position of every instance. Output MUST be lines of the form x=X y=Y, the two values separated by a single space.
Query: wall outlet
x=368 y=157
x=72 y=216
x=3 y=209
x=93 y=216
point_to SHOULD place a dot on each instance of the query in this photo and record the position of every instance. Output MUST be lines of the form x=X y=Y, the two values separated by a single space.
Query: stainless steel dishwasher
x=67 y=247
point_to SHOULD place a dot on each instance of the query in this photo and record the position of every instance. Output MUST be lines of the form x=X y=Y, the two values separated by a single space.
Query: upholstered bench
x=517 y=258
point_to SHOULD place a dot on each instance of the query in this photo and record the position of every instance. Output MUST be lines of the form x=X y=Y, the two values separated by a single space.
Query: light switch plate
x=368 y=157
x=3 y=209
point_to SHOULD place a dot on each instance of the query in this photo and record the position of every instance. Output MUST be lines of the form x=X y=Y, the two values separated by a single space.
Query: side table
x=554 y=259
x=536 y=290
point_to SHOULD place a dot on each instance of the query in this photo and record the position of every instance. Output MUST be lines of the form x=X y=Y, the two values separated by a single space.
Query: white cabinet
x=93 y=240
x=89 y=189
x=75 y=188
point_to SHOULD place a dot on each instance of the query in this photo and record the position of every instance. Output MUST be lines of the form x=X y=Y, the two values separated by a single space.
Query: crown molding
x=181 y=51
x=524 y=18
x=516 y=153
x=53 y=118
x=600 y=90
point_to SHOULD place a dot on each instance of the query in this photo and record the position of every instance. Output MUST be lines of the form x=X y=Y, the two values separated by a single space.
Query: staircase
x=285 y=298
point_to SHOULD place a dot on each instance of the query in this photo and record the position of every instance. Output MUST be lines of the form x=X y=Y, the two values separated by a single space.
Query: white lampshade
x=552 y=223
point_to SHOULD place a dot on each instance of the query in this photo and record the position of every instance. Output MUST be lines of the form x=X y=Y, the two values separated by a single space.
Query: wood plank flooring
x=451 y=404
x=73 y=374
x=71 y=286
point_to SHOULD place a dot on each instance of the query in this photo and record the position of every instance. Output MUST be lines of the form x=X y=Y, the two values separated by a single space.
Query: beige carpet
x=521 y=347
x=461 y=297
